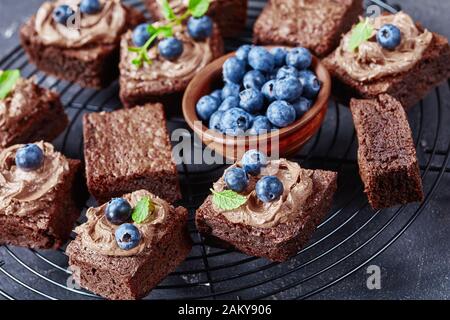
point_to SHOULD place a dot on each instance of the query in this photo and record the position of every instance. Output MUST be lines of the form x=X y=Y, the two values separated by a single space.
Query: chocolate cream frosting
x=103 y=27
x=298 y=186
x=371 y=61
x=25 y=192
x=97 y=234
x=179 y=6
x=196 y=55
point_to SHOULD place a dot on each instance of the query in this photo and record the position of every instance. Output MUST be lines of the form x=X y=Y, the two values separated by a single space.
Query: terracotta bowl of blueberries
x=270 y=98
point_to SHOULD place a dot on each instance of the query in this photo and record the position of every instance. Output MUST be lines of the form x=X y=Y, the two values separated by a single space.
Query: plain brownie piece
x=30 y=113
x=316 y=25
x=127 y=277
x=276 y=243
x=91 y=65
x=230 y=15
x=127 y=150
x=35 y=217
x=386 y=155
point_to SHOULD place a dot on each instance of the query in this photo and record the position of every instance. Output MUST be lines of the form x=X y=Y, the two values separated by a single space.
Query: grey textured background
x=417 y=265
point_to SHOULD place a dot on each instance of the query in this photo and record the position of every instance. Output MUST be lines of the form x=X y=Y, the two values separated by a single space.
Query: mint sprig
x=228 y=199
x=361 y=32
x=8 y=79
x=143 y=209
x=196 y=8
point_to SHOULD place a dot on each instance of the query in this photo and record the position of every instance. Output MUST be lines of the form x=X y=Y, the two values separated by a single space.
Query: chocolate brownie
x=87 y=53
x=230 y=15
x=276 y=230
x=408 y=84
x=163 y=80
x=101 y=266
x=128 y=150
x=37 y=209
x=316 y=25
x=386 y=155
x=30 y=113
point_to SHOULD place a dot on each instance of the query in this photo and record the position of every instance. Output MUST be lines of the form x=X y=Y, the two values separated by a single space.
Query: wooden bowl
x=280 y=143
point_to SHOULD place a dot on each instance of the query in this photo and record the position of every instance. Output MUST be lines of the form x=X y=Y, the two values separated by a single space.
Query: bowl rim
x=221 y=138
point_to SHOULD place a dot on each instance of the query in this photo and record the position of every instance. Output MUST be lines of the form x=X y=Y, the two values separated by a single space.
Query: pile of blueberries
x=264 y=90
x=268 y=188
x=171 y=48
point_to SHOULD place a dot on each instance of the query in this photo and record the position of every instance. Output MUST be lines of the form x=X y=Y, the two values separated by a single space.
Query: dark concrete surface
x=417 y=264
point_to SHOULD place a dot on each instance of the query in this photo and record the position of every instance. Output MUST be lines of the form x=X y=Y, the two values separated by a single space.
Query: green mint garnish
x=8 y=79
x=360 y=33
x=228 y=199
x=196 y=8
x=143 y=209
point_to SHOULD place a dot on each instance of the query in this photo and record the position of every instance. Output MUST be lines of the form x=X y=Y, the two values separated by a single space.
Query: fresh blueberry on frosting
x=90 y=6
x=29 y=157
x=118 y=211
x=140 y=34
x=200 y=28
x=253 y=160
x=389 y=36
x=62 y=13
x=127 y=236
x=170 y=48
x=269 y=188
x=236 y=179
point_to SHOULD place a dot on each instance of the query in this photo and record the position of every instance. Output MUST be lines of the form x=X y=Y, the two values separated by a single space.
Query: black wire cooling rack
x=350 y=237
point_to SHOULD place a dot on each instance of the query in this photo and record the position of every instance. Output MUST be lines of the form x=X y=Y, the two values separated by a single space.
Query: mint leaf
x=198 y=8
x=361 y=32
x=143 y=209
x=151 y=29
x=228 y=199
x=167 y=10
x=8 y=79
x=165 y=31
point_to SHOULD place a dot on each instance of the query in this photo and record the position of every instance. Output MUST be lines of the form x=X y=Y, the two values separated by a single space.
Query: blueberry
x=231 y=89
x=140 y=34
x=288 y=89
x=206 y=106
x=233 y=70
x=200 y=28
x=118 y=211
x=242 y=52
x=254 y=79
x=62 y=13
x=268 y=90
x=259 y=58
x=229 y=102
x=235 y=121
x=29 y=157
x=217 y=94
x=311 y=84
x=281 y=113
x=279 y=55
x=389 y=36
x=269 y=188
x=236 y=179
x=300 y=58
x=90 y=6
x=127 y=236
x=253 y=160
x=260 y=125
x=287 y=71
x=301 y=106
x=170 y=48
x=251 y=100
x=214 y=121
x=273 y=75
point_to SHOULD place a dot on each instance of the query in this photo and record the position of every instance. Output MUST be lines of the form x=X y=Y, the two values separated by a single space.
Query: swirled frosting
x=97 y=233
x=298 y=187
x=103 y=27
x=371 y=61
x=24 y=192
x=196 y=55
